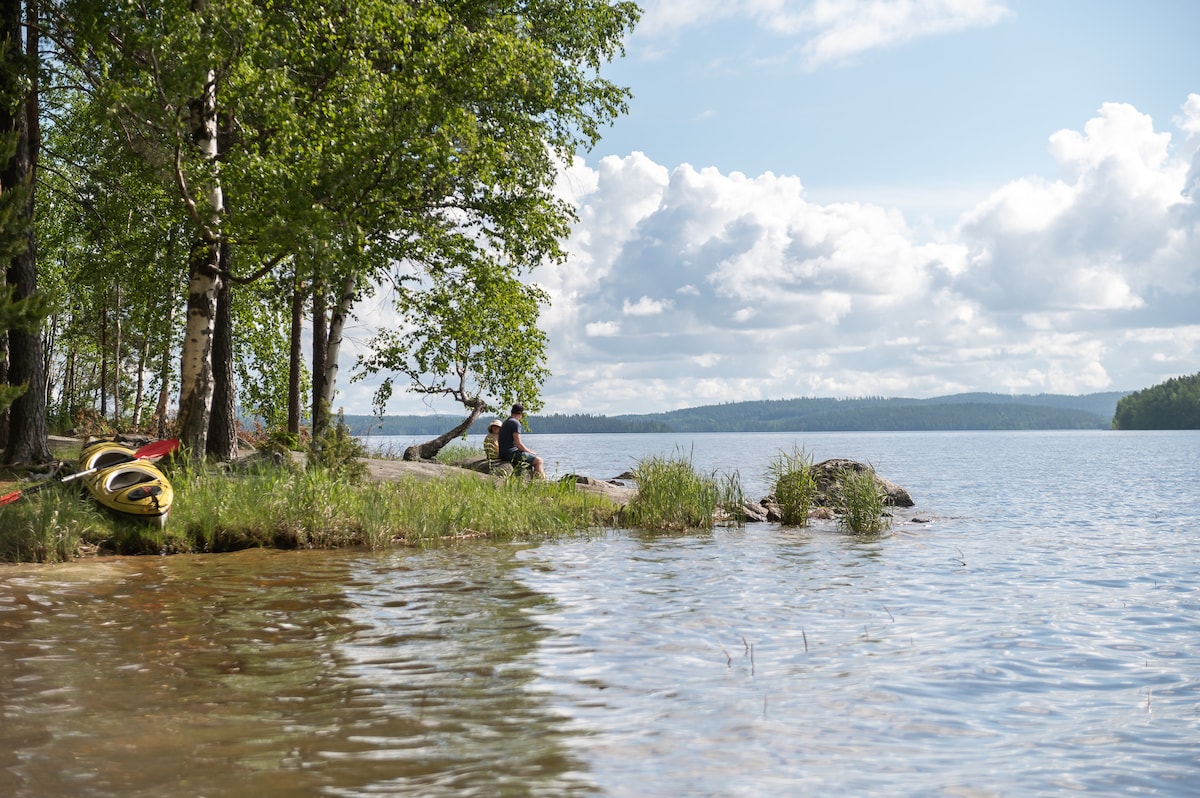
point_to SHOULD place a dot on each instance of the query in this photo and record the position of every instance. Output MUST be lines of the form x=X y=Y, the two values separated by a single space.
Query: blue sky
x=882 y=197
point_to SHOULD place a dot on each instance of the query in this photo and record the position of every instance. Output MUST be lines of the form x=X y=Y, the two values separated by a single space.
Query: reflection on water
x=285 y=673
x=1039 y=637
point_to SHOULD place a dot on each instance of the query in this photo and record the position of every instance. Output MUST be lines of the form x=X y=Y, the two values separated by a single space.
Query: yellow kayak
x=125 y=484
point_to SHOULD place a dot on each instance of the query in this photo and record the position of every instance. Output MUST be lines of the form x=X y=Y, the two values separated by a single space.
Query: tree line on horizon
x=193 y=193
x=960 y=412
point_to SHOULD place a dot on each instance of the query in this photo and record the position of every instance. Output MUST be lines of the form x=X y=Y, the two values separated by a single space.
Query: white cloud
x=1189 y=120
x=828 y=31
x=840 y=29
x=1040 y=287
x=687 y=286
x=645 y=307
x=602 y=328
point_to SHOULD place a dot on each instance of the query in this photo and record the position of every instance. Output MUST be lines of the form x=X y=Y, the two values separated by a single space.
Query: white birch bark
x=195 y=373
x=333 y=345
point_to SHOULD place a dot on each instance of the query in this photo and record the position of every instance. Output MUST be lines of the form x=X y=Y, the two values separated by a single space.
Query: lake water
x=1040 y=636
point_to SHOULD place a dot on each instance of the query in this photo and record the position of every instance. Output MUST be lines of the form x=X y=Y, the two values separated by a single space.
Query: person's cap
x=517 y=409
x=495 y=422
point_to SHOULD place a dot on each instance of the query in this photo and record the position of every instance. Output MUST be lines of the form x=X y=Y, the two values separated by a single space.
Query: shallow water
x=1040 y=636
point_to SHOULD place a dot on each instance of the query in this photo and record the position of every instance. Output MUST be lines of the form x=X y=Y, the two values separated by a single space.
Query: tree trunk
x=294 y=355
x=116 y=360
x=204 y=269
x=3 y=377
x=223 y=428
x=320 y=338
x=333 y=347
x=28 y=440
x=164 y=388
x=429 y=449
x=104 y=358
x=139 y=395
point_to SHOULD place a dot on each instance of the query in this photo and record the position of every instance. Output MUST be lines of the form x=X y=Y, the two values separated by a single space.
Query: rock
x=754 y=512
x=829 y=472
x=615 y=492
x=425 y=470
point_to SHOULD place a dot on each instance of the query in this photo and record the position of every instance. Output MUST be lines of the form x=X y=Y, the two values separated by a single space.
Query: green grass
x=281 y=506
x=794 y=486
x=453 y=453
x=862 y=503
x=51 y=526
x=672 y=495
x=288 y=508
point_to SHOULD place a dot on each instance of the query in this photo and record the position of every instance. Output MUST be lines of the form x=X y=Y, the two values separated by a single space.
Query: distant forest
x=969 y=411
x=1174 y=404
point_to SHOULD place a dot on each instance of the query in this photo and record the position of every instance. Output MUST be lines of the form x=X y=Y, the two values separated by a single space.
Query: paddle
x=150 y=450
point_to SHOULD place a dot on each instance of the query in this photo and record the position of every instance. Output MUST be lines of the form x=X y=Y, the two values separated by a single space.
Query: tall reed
x=794 y=485
x=49 y=527
x=672 y=495
x=862 y=503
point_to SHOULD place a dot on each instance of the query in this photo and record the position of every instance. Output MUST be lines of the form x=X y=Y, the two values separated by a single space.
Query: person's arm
x=520 y=446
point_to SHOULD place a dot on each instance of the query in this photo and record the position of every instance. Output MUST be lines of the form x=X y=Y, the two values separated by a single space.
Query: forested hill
x=1174 y=404
x=971 y=411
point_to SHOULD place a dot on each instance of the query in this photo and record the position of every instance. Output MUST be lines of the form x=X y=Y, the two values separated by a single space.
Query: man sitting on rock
x=513 y=450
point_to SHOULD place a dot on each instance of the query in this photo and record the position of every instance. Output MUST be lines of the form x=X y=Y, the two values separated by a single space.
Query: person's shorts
x=519 y=458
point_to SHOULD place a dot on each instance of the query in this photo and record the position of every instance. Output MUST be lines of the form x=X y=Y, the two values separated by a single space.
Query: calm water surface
x=1040 y=636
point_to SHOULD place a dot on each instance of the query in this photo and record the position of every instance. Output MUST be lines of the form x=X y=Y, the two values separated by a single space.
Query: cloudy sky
x=882 y=197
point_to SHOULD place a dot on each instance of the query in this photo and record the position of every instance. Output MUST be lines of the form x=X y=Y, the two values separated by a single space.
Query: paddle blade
x=9 y=498
x=157 y=449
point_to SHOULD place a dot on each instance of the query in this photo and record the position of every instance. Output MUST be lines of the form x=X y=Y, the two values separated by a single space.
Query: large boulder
x=828 y=475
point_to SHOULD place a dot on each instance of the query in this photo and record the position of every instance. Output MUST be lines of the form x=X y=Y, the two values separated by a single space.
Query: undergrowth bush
x=337 y=450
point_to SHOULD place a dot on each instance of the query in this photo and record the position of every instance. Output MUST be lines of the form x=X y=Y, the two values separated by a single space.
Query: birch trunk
x=333 y=346
x=204 y=281
x=139 y=393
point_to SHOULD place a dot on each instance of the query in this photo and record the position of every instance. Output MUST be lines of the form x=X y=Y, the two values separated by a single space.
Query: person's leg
x=523 y=461
x=539 y=469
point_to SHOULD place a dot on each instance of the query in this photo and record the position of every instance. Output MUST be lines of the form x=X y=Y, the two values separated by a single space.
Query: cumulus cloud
x=828 y=31
x=645 y=307
x=729 y=287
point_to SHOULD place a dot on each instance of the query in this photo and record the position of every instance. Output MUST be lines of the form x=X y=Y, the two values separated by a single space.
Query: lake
x=1039 y=636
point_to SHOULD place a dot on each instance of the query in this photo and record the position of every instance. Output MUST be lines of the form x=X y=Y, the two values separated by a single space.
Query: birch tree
x=364 y=138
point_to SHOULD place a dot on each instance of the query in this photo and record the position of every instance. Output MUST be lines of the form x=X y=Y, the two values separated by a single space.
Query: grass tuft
x=862 y=503
x=794 y=486
x=672 y=495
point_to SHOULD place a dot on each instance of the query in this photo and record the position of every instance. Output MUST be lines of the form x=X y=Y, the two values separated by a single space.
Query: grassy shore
x=321 y=507
x=330 y=504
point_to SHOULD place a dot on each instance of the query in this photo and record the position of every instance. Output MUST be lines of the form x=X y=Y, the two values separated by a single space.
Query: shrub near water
x=673 y=496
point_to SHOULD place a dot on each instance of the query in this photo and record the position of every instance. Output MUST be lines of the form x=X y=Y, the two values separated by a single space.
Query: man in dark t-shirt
x=512 y=450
